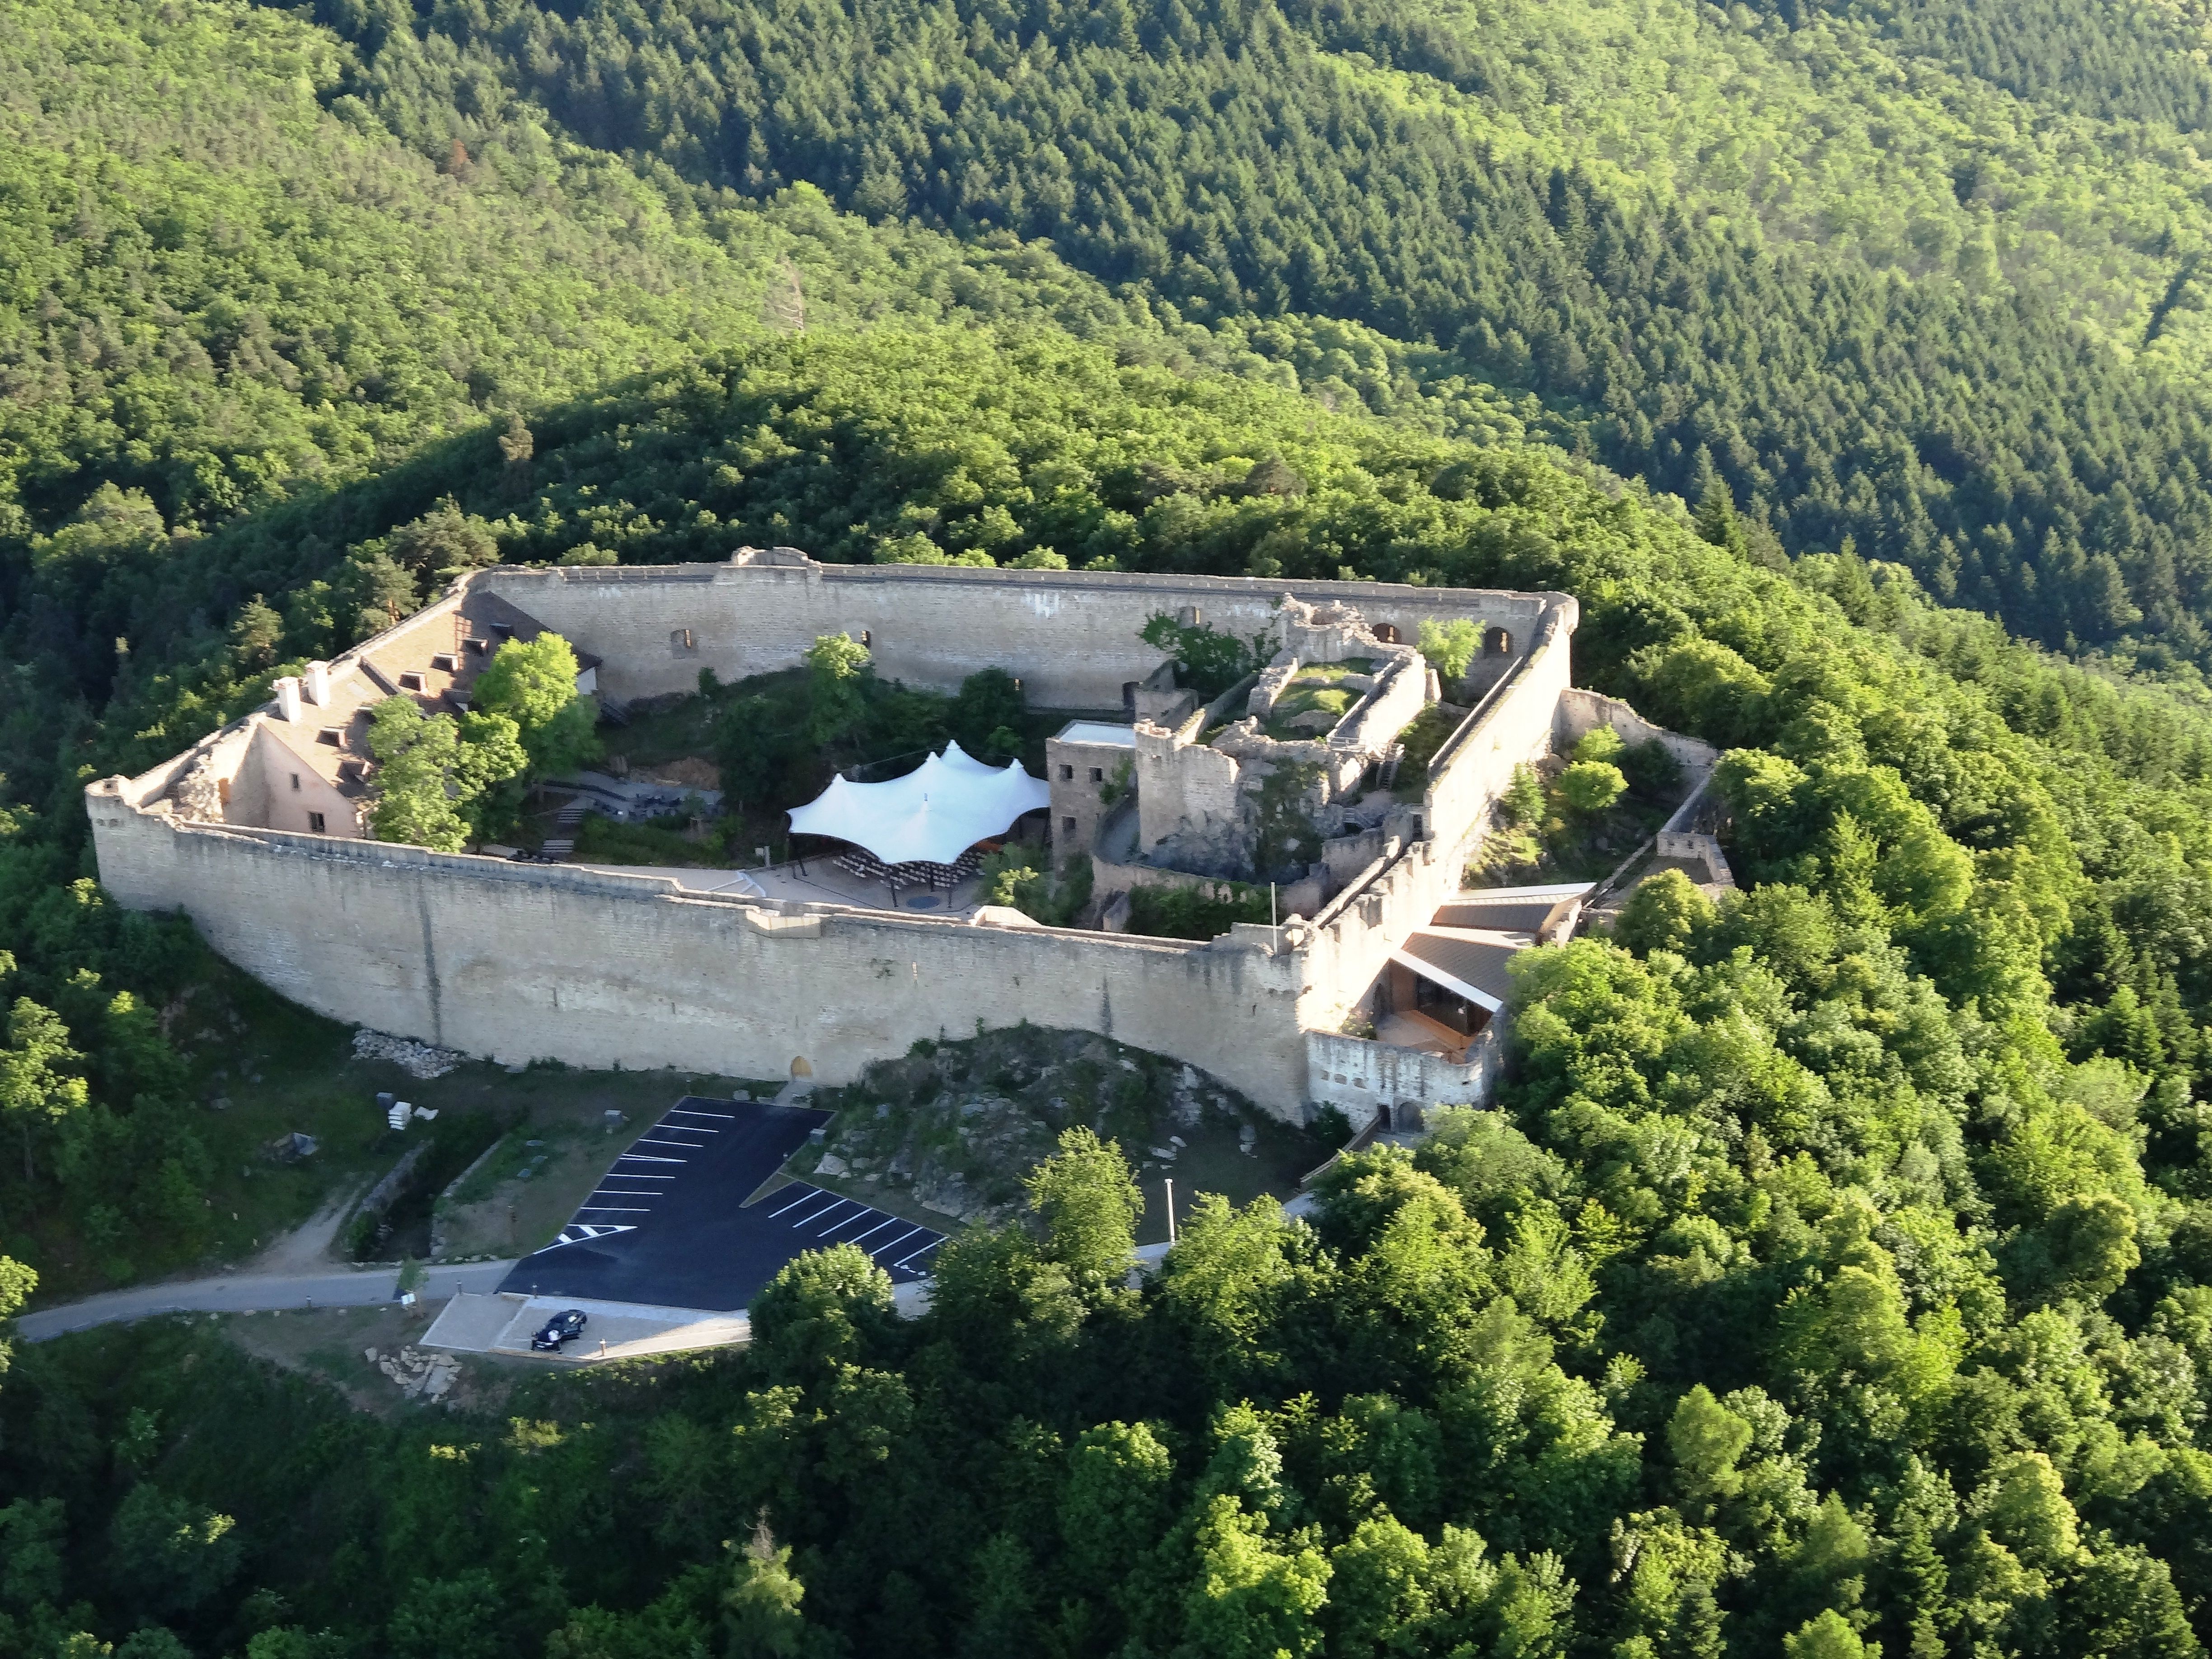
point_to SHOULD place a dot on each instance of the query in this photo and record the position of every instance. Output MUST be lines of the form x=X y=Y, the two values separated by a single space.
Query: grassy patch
x=1428 y=732
x=1313 y=690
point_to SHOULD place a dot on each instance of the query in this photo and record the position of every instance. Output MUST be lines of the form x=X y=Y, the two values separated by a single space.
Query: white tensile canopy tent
x=931 y=815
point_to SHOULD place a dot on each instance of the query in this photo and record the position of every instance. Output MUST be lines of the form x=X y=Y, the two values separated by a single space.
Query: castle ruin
x=255 y=832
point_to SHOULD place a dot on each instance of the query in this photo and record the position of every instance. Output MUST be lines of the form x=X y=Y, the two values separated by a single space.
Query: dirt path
x=306 y=1248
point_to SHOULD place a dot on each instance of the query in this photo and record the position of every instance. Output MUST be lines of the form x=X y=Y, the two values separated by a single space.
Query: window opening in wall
x=410 y=681
x=1068 y=826
x=1067 y=774
x=867 y=639
x=1497 y=643
x=1098 y=774
x=295 y=782
x=1387 y=632
x=683 y=642
x=328 y=735
x=1129 y=698
x=474 y=644
x=443 y=662
x=314 y=824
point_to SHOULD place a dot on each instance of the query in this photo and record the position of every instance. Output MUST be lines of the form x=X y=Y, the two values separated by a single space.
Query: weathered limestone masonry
x=1200 y=796
x=1070 y=636
x=521 y=962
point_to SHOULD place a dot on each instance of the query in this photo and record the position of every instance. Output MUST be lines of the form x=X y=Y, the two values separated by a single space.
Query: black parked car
x=562 y=1327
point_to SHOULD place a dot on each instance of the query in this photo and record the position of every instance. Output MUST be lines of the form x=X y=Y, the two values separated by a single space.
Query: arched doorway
x=800 y=1068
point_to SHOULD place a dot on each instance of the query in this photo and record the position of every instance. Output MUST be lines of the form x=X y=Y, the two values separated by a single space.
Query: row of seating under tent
x=866 y=867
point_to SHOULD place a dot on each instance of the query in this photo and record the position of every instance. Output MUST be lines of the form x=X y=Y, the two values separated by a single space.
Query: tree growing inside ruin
x=1594 y=780
x=988 y=716
x=533 y=684
x=1450 y=647
x=1207 y=661
x=416 y=757
x=439 y=782
x=837 y=666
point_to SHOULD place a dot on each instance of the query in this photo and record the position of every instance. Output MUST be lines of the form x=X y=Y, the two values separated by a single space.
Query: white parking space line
x=901 y=1239
x=689 y=1128
x=851 y=1221
x=804 y=1194
x=612 y=1209
x=688 y=1145
x=817 y=1215
x=832 y=1211
x=693 y=1111
x=652 y=1157
x=889 y=1221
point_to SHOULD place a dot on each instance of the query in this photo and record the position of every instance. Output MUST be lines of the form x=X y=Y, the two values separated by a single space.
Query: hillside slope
x=1955 y=315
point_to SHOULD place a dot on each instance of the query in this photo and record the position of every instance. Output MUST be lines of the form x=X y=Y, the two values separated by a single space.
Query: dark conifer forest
x=1834 y=1273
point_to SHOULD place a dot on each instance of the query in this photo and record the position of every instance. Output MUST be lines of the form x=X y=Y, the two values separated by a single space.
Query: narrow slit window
x=295 y=783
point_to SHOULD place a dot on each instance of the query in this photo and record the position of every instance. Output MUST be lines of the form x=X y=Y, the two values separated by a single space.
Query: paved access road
x=340 y=1287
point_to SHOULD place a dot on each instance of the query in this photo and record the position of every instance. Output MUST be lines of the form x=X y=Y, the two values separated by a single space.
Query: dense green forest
x=1930 y=308
x=1836 y=1271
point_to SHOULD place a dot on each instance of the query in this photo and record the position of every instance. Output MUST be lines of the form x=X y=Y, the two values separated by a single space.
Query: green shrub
x=1451 y=648
x=1195 y=911
x=1590 y=787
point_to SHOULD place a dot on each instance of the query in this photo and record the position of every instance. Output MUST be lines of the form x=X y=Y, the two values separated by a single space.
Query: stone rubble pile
x=419 y=1375
x=417 y=1059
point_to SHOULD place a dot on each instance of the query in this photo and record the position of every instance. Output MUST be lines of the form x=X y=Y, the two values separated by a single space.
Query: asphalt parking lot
x=668 y=1224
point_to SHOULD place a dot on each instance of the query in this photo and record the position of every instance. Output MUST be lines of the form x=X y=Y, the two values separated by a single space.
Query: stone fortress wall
x=1069 y=636
x=523 y=962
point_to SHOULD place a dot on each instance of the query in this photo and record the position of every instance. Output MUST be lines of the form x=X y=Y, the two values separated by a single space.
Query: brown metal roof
x=1513 y=909
x=1468 y=964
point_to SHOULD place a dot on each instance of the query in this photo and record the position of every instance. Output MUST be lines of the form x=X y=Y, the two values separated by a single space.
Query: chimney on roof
x=288 y=699
x=317 y=683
